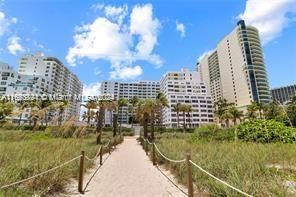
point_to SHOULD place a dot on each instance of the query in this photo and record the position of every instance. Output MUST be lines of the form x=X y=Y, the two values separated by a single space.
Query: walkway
x=129 y=172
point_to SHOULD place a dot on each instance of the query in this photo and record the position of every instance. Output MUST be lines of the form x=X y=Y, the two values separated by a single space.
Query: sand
x=129 y=172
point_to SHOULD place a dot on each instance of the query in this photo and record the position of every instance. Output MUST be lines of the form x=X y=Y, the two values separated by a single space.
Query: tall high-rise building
x=283 y=94
x=57 y=79
x=41 y=75
x=128 y=90
x=235 y=70
x=185 y=87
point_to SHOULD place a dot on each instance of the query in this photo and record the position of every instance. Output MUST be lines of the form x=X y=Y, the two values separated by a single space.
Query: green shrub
x=213 y=132
x=266 y=131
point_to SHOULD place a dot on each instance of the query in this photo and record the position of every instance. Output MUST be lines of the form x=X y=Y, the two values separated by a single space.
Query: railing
x=189 y=164
x=101 y=150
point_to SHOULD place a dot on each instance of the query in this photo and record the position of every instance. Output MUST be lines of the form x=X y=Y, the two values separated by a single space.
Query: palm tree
x=100 y=115
x=161 y=103
x=143 y=115
x=261 y=108
x=221 y=107
x=134 y=101
x=184 y=110
x=252 y=110
x=176 y=108
x=61 y=106
x=121 y=103
x=235 y=114
x=89 y=106
x=6 y=109
x=189 y=110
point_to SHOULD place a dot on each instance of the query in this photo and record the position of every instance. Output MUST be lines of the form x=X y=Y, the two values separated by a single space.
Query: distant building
x=283 y=94
x=185 y=87
x=235 y=70
x=41 y=75
x=128 y=90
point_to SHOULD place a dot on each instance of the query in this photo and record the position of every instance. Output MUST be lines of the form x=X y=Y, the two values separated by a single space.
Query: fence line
x=40 y=174
x=171 y=160
x=221 y=181
x=189 y=163
x=96 y=155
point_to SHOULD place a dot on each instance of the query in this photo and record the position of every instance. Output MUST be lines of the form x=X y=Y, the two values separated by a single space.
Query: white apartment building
x=41 y=75
x=185 y=87
x=235 y=70
x=128 y=90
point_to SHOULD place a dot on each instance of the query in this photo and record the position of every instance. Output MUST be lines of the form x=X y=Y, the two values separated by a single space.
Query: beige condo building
x=235 y=70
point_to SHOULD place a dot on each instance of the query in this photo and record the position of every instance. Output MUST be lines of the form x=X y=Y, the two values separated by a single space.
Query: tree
x=176 y=108
x=6 y=109
x=160 y=104
x=134 y=101
x=61 y=106
x=189 y=110
x=235 y=114
x=252 y=110
x=122 y=102
x=274 y=111
x=143 y=115
x=89 y=106
x=100 y=116
x=184 y=110
x=291 y=111
x=221 y=113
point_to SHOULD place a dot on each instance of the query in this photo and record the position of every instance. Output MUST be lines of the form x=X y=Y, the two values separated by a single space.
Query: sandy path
x=129 y=172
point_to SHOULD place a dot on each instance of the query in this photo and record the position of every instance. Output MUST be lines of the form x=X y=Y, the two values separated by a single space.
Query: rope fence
x=189 y=163
x=82 y=158
x=40 y=174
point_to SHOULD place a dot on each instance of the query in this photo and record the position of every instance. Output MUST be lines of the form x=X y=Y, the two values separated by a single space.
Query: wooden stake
x=189 y=171
x=81 y=172
x=101 y=155
x=153 y=155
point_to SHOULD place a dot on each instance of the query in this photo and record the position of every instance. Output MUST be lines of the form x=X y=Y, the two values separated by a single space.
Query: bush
x=266 y=131
x=213 y=132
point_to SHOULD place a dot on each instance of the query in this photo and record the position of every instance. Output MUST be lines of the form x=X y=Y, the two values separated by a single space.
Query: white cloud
x=92 y=89
x=180 y=27
x=270 y=17
x=204 y=54
x=127 y=72
x=4 y=23
x=120 y=43
x=116 y=13
x=14 y=45
x=97 y=71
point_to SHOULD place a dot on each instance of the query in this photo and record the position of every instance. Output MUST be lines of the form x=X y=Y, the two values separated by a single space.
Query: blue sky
x=128 y=40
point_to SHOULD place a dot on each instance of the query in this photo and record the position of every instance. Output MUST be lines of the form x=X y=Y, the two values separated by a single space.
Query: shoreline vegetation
x=263 y=167
x=25 y=153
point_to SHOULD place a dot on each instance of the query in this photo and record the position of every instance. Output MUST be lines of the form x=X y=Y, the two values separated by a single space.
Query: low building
x=185 y=87
x=283 y=94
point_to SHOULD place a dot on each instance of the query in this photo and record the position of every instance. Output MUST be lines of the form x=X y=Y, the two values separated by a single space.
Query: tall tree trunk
x=100 y=119
x=20 y=118
x=120 y=123
x=152 y=126
x=178 y=120
x=115 y=126
x=145 y=125
x=184 y=122
x=189 y=122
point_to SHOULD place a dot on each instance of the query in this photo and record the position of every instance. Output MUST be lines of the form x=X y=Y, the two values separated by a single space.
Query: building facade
x=128 y=90
x=283 y=94
x=235 y=70
x=185 y=87
x=41 y=75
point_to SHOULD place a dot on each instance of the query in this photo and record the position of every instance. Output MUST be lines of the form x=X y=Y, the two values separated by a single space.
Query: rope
x=96 y=155
x=171 y=160
x=40 y=174
x=221 y=181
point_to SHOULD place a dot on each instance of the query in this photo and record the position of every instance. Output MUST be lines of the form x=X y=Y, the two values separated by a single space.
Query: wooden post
x=109 y=148
x=189 y=171
x=114 y=142
x=81 y=172
x=101 y=155
x=153 y=155
x=146 y=147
